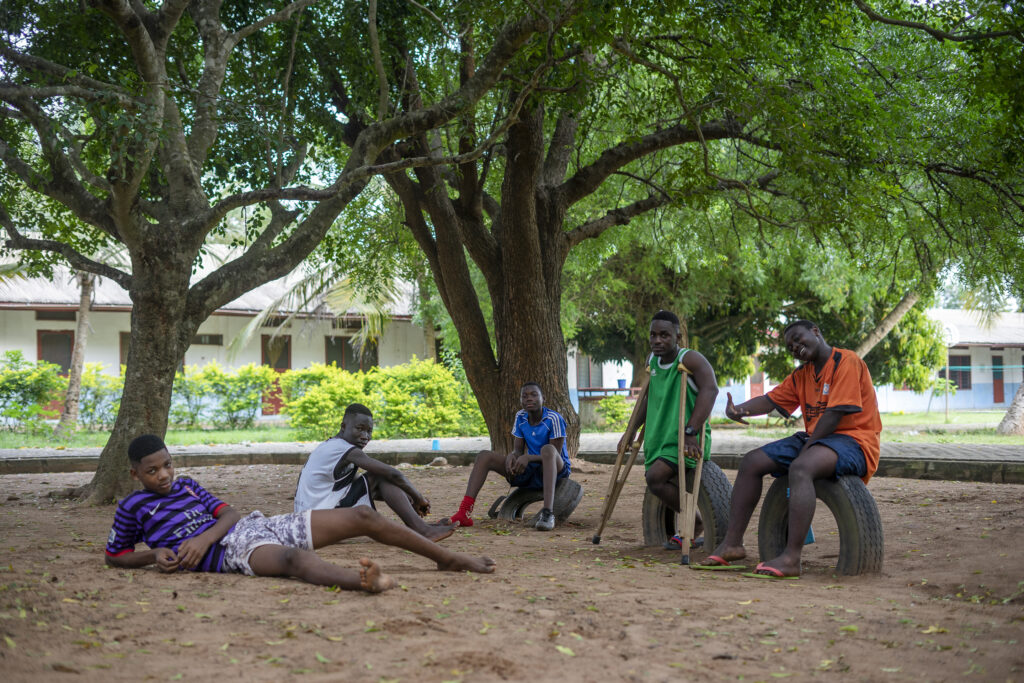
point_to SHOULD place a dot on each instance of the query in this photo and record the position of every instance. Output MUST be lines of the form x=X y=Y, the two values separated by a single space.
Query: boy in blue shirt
x=538 y=459
x=187 y=528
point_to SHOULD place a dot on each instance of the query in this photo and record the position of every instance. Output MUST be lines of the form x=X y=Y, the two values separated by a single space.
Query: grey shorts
x=292 y=530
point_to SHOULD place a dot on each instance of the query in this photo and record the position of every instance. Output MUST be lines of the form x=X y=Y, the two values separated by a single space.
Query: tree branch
x=888 y=322
x=75 y=259
x=587 y=179
x=60 y=184
x=620 y=216
x=60 y=72
x=281 y=15
x=10 y=92
x=378 y=63
x=938 y=34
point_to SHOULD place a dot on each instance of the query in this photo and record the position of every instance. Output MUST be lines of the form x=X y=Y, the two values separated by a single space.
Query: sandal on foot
x=763 y=571
x=718 y=563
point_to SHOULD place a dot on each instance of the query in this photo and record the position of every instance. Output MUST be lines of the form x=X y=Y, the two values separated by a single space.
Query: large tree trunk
x=531 y=349
x=888 y=322
x=69 y=418
x=160 y=334
x=1013 y=421
x=521 y=255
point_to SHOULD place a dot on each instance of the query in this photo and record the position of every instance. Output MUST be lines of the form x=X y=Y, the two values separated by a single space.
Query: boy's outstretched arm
x=164 y=557
x=759 y=405
x=357 y=457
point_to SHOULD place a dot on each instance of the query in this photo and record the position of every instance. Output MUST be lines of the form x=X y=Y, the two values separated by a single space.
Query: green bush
x=190 y=396
x=471 y=420
x=416 y=399
x=316 y=413
x=100 y=397
x=295 y=383
x=239 y=396
x=26 y=388
x=615 y=410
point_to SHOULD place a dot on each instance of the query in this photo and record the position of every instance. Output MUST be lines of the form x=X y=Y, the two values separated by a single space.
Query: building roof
x=966 y=328
x=62 y=291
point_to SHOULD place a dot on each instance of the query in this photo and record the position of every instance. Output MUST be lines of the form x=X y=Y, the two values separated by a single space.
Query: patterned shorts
x=292 y=530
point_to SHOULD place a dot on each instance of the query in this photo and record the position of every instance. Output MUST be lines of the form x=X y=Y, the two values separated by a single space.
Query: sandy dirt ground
x=949 y=604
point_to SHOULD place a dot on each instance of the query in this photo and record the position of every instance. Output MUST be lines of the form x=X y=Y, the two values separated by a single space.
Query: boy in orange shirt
x=833 y=390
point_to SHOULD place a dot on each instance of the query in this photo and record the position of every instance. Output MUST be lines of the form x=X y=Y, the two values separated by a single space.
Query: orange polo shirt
x=843 y=385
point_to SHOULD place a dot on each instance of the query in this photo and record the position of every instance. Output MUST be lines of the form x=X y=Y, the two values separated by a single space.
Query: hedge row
x=417 y=399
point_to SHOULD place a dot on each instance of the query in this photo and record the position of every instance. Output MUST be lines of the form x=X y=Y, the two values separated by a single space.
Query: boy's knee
x=364 y=515
x=654 y=477
x=802 y=470
x=756 y=463
x=291 y=559
x=485 y=456
x=548 y=452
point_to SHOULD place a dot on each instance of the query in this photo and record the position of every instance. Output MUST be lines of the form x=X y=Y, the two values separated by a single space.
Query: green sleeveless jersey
x=661 y=430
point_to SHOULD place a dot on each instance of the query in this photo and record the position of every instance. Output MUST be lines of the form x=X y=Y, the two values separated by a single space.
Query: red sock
x=462 y=516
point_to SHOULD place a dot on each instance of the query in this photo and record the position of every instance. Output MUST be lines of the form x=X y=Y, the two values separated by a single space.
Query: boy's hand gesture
x=166 y=560
x=421 y=506
x=519 y=466
x=734 y=413
x=191 y=552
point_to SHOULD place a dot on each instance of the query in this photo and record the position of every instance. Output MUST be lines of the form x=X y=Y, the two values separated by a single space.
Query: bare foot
x=438 y=531
x=372 y=579
x=460 y=562
x=730 y=553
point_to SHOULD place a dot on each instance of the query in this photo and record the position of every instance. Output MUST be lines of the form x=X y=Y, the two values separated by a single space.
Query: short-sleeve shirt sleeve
x=517 y=425
x=557 y=426
x=125 y=532
x=207 y=499
x=786 y=396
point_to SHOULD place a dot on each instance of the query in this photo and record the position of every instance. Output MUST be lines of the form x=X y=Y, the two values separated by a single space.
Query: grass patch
x=938 y=417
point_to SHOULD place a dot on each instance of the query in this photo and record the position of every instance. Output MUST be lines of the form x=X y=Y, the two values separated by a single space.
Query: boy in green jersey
x=661 y=413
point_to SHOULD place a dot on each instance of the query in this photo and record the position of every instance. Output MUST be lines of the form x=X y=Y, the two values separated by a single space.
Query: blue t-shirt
x=551 y=426
x=166 y=521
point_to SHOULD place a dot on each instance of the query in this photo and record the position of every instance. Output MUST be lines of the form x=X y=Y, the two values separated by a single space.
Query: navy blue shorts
x=850 y=461
x=533 y=476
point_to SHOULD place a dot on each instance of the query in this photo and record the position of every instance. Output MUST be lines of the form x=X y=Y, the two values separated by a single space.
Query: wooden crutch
x=687 y=498
x=632 y=444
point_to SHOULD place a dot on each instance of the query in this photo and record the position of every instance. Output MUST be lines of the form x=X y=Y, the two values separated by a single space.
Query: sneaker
x=676 y=543
x=545 y=520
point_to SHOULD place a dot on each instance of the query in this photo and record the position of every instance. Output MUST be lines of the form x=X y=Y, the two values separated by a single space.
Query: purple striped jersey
x=164 y=521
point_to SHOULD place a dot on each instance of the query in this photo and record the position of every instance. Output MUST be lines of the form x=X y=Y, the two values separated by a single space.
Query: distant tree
x=733 y=298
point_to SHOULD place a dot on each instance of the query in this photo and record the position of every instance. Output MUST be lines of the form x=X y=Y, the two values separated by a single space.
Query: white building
x=985 y=362
x=38 y=317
